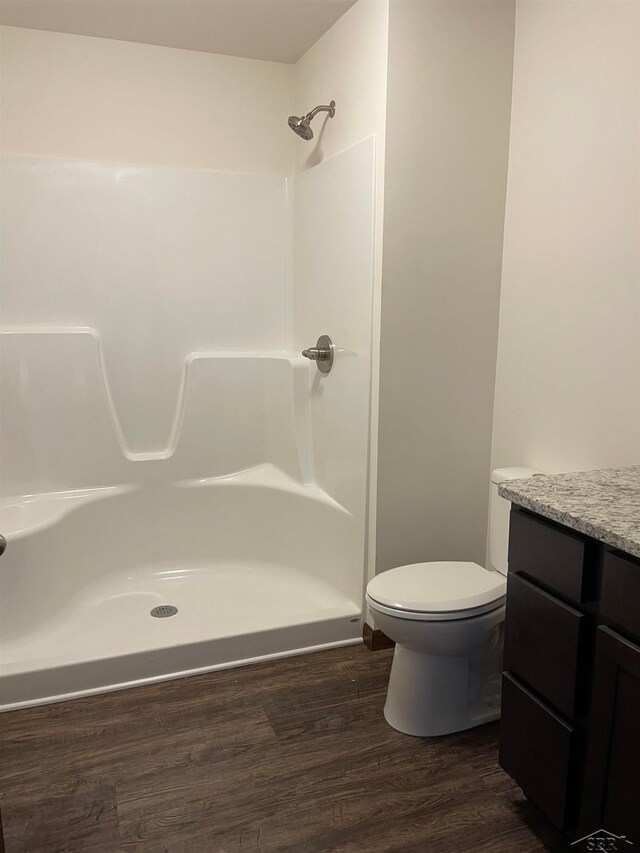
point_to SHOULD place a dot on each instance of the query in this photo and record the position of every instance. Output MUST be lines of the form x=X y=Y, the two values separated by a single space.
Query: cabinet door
x=612 y=781
x=621 y=591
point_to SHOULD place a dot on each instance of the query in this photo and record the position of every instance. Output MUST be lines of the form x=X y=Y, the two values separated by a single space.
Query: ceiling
x=277 y=30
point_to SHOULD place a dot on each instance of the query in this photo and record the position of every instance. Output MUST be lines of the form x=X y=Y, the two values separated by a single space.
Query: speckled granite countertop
x=602 y=504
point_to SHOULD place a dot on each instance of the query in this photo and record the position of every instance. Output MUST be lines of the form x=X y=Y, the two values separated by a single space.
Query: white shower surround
x=162 y=439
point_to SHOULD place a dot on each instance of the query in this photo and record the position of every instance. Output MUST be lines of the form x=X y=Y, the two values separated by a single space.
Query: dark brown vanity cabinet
x=612 y=789
x=570 y=729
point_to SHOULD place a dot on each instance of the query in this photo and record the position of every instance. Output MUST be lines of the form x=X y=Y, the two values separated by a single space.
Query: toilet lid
x=437 y=587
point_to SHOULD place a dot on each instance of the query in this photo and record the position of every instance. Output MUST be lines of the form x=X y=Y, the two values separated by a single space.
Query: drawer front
x=538 y=750
x=545 y=644
x=559 y=559
x=621 y=591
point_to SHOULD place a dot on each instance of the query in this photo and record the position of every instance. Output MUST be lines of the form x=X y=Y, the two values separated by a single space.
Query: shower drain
x=163 y=611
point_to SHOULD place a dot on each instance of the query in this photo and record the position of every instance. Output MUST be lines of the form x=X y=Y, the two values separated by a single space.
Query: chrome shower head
x=302 y=124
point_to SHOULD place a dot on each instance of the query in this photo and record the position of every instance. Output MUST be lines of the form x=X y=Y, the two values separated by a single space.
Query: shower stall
x=181 y=489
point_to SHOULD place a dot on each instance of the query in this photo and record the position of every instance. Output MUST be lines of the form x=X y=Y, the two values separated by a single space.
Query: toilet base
x=433 y=695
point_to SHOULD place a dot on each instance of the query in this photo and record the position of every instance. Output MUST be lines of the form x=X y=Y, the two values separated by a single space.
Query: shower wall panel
x=333 y=260
x=154 y=399
x=59 y=430
x=159 y=262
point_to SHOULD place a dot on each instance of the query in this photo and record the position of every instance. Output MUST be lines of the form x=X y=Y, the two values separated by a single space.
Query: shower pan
x=182 y=489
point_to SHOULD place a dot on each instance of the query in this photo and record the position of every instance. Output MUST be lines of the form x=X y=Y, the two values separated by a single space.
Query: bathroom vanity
x=570 y=729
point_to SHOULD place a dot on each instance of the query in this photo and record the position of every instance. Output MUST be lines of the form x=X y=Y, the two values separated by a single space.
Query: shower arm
x=323 y=108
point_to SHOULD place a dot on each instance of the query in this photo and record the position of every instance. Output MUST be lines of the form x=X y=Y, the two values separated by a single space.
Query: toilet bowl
x=446 y=667
x=447 y=620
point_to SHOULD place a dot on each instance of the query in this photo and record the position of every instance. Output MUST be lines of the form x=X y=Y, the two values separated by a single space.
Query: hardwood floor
x=292 y=755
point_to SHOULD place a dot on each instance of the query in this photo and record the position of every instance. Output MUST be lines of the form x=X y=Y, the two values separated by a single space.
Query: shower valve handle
x=321 y=353
x=3 y=544
x=315 y=354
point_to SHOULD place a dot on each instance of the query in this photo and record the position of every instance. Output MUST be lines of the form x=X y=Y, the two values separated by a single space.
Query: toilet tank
x=499 y=510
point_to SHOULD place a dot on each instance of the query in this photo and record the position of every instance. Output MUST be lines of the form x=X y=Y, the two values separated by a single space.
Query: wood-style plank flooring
x=291 y=755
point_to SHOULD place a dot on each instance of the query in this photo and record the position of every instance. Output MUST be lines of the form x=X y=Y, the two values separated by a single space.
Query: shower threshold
x=226 y=614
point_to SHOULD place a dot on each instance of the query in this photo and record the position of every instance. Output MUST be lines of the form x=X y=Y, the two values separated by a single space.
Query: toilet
x=447 y=622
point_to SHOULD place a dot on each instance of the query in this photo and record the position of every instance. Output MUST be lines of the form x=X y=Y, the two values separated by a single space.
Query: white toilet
x=447 y=620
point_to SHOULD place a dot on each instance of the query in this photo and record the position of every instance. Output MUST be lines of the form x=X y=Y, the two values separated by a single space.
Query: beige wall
x=98 y=99
x=101 y=99
x=349 y=64
x=450 y=73
x=568 y=377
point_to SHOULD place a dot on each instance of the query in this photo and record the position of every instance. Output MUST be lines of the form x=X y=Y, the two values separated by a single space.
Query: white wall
x=349 y=65
x=89 y=98
x=450 y=72
x=568 y=377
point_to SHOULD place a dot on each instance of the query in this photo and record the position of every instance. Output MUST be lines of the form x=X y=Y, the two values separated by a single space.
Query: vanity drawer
x=538 y=750
x=558 y=558
x=545 y=644
x=621 y=591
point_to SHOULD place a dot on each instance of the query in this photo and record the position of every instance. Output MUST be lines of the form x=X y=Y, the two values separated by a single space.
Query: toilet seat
x=440 y=591
x=426 y=616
